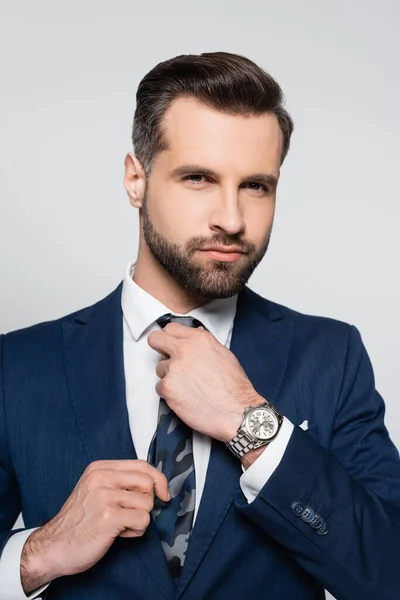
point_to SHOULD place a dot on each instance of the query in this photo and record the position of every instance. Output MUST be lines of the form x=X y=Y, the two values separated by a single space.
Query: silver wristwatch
x=261 y=424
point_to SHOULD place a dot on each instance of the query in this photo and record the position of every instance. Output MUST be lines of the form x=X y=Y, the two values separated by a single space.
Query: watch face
x=262 y=423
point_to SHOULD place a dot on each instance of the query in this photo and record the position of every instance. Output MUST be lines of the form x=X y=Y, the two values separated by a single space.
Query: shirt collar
x=141 y=310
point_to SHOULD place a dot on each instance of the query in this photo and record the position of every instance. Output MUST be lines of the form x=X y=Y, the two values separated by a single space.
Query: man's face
x=213 y=189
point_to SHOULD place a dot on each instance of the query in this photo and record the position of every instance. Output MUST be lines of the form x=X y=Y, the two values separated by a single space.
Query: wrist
x=237 y=417
x=36 y=569
x=248 y=459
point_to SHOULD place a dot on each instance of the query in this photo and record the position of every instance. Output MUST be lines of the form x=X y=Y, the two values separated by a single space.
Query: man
x=184 y=437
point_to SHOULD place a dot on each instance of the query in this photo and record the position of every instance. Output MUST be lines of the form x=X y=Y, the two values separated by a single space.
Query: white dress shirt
x=140 y=311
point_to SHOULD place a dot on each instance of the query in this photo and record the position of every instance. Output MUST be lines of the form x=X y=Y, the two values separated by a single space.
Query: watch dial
x=263 y=424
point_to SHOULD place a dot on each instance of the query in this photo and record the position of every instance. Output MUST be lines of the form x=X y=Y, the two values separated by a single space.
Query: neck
x=154 y=279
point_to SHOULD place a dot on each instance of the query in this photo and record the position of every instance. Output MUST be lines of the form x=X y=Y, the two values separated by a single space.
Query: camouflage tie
x=171 y=452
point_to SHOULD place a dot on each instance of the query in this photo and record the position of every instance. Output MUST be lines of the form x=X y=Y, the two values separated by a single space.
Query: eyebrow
x=194 y=169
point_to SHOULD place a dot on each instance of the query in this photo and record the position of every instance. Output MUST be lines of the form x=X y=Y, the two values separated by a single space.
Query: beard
x=216 y=279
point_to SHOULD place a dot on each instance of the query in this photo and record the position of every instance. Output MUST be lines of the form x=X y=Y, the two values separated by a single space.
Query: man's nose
x=227 y=214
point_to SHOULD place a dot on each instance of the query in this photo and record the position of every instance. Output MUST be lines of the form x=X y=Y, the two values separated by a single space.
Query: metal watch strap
x=241 y=444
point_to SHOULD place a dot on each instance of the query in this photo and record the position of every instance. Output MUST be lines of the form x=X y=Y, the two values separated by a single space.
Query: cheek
x=259 y=220
x=177 y=214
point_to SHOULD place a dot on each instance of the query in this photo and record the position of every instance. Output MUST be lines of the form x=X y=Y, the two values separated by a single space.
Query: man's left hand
x=202 y=381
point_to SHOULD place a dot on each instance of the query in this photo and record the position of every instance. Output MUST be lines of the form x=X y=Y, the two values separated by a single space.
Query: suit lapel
x=95 y=370
x=93 y=349
x=261 y=340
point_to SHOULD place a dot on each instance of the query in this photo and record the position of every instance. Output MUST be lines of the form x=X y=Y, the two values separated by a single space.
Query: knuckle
x=173 y=367
x=96 y=464
x=159 y=388
x=145 y=468
x=159 y=370
x=143 y=521
x=165 y=387
x=150 y=502
x=107 y=513
x=147 y=484
x=204 y=336
x=94 y=479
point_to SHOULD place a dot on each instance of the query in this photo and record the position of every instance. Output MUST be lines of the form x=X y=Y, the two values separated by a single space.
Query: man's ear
x=134 y=180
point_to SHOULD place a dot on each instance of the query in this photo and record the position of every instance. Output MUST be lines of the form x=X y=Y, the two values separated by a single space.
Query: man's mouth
x=224 y=253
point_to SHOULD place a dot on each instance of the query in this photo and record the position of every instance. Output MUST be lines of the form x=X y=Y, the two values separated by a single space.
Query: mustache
x=221 y=239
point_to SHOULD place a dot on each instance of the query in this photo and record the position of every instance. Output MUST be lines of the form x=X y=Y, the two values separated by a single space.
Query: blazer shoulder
x=46 y=333
x=304 y=324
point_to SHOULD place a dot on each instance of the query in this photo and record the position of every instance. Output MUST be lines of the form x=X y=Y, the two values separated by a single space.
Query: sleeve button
x=324 y=529
x=317 y=522
x=298 y=508
x=308 y=515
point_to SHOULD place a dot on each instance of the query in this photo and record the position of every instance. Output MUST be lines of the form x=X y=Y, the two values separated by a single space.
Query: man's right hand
x=112 y=498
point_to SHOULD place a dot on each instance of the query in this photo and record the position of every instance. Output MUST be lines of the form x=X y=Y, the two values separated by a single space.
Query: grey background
x=69 y=72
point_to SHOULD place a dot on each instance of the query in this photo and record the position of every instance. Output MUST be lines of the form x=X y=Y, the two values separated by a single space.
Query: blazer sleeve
x=10 y=500
x=354 y=487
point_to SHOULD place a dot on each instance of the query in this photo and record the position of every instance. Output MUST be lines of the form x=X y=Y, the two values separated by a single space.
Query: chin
x=217 y=291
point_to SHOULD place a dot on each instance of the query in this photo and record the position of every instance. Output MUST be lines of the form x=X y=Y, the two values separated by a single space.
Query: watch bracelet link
x=241 y=444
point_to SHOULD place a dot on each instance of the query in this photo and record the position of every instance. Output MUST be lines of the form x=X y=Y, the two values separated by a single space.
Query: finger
x=131 y=465
x=184 y=332
x=163 y=343
x=129 y=468
x=178 y=330
x=122 y=465
x=132 y=520
x=105 y=479
x=161 y=486
x=128 y=533
x=153 y=482
x=162 y=393
x=128 y=499
x=160 y=389
x=141 y=483
x=162 y=368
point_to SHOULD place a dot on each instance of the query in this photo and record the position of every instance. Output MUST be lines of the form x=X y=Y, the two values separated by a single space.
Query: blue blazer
x=62 y=406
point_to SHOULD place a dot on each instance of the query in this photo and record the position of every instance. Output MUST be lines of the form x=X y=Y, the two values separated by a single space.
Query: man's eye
x=256 y=187
x=195 y=178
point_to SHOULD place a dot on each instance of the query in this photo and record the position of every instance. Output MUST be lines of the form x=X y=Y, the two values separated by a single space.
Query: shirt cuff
x=10 y=565
x=256 y=476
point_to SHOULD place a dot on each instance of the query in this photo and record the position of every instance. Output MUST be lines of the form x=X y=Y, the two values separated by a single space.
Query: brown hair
x=227 y=82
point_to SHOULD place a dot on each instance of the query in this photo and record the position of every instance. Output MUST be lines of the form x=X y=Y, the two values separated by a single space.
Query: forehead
x=199 y=134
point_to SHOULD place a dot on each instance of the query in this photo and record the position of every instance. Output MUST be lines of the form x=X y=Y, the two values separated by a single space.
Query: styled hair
x=230 y=83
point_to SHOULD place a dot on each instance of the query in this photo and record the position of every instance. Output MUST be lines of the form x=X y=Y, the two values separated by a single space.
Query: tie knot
x=170 y=318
